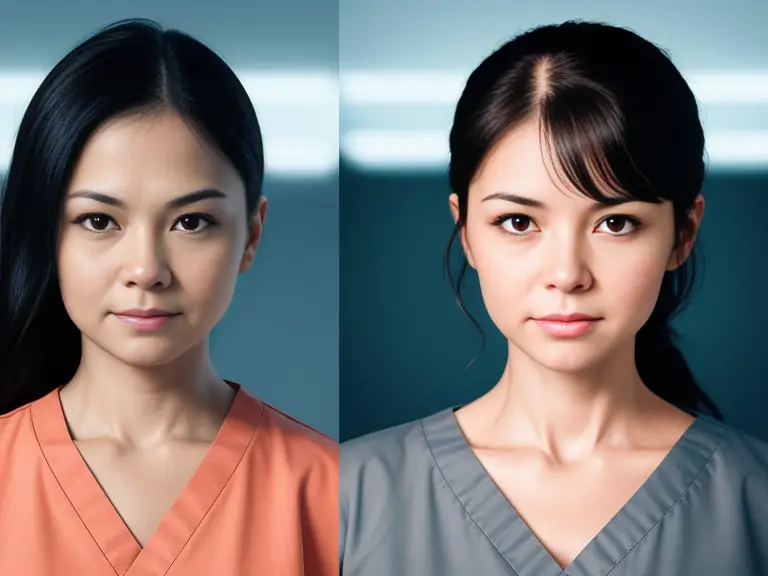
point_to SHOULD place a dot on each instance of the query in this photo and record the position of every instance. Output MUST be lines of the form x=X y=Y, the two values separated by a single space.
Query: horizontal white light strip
x=730 y=87
x=738 y=148
x=391 y=100
x=388 y=150
x=298 y=113
x=429 y=87
x=317 y=158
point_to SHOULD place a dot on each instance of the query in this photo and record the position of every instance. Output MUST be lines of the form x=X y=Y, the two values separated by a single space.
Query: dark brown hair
x=615 y=113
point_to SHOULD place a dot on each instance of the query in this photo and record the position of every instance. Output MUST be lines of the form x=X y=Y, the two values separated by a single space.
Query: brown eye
x=99 y=222
x=618 y=225
x=190 y=223
x=193 y=223
x=96 y=222
x=518 y=224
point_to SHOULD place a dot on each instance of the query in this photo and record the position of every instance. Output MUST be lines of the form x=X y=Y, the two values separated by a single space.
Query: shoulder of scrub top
x=741 y=455
x=383 y=453
x=12 y=424
x=310 y=446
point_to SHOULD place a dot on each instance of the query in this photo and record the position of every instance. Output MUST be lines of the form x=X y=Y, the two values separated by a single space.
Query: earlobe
x=256 y=229
x=249 y=254
x=453 y=202
x=247 y=260
x=674 y=261
x=682 y=253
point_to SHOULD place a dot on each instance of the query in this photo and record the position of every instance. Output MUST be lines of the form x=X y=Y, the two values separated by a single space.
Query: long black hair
x=614 y=110
x=129 y=67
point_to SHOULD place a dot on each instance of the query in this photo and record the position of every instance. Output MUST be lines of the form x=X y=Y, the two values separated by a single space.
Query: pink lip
x=566 y=325
x=567 y=317
x=146 y=313
x=144 y=319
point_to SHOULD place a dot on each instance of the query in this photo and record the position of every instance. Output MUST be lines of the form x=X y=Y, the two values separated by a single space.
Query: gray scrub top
x=415 y=501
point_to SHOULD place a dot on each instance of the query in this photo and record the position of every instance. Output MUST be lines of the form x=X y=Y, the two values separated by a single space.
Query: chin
x=567 y=357
x=150 y=353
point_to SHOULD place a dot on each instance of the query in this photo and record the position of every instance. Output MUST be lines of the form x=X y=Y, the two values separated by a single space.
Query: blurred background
x=404 y=344
x=279 y=339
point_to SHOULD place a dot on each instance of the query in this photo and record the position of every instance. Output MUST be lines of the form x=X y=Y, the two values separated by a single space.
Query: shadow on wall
x=404 y=344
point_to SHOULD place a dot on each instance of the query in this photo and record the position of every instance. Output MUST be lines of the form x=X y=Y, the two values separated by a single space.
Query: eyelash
x=80 y=220
x=636 y=224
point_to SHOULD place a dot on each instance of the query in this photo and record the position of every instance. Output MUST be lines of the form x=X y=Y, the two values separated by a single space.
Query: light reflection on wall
x=298 y=113
x=400 y=120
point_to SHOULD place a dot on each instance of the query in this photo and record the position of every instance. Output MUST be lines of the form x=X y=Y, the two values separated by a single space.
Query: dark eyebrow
x=522 y=200
x=98 y=197
x=193 y=197
x=190 y=198
x=532 y=203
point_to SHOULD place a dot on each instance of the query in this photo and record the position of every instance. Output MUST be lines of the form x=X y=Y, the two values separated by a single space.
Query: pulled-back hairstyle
x=130 y=67
x=614 y=113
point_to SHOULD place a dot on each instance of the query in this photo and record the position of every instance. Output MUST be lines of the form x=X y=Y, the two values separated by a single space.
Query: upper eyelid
x=86 y=215
x=509 y=215
x=499 y=221
x=82 y=218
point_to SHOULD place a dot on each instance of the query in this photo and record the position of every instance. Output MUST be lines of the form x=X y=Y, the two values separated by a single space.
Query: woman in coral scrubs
x=133 y=201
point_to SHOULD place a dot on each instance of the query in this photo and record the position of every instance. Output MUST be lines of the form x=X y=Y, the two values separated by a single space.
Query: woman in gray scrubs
x=576 y=169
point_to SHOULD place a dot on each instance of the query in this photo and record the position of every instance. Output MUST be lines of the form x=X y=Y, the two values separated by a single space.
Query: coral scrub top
x=264 y=500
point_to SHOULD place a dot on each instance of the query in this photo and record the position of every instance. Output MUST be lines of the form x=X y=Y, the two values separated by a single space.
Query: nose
x=566 y=263
x=145 y=261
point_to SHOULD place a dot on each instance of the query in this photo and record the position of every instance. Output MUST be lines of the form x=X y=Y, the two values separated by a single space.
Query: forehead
x=156 y=152
x=521 y=163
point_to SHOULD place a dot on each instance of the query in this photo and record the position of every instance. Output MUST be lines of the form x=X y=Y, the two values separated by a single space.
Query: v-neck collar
x=517 y=543
x=100 y=517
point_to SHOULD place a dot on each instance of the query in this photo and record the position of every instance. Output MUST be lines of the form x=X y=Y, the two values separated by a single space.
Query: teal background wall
x=405 y=344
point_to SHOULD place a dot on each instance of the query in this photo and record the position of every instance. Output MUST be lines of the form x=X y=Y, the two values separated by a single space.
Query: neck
x=568 y=415
x=142 y=406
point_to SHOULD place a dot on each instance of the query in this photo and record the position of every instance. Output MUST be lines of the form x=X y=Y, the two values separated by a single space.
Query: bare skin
x=143 y=445
x=145 y=406
x=567 y=483
x=570 y=432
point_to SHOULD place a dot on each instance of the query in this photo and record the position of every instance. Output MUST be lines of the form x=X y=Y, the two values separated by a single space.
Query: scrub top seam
x=703 y=468
x=429 y=446
x=74 y=508
x=343 y=515
x=240 y=461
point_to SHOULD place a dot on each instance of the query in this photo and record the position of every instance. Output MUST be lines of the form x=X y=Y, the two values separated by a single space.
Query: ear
x=453 y=203
x=255 y=229
x=681 y=253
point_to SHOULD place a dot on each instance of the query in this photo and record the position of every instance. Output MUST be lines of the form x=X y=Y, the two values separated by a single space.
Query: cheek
x=506 y=271
x=207 y=274
x=631 y=281
x=83 y=277
x=626 y=277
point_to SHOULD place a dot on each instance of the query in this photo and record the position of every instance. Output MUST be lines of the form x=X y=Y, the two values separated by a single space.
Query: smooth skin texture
x=570 y=432
x=144 y=406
